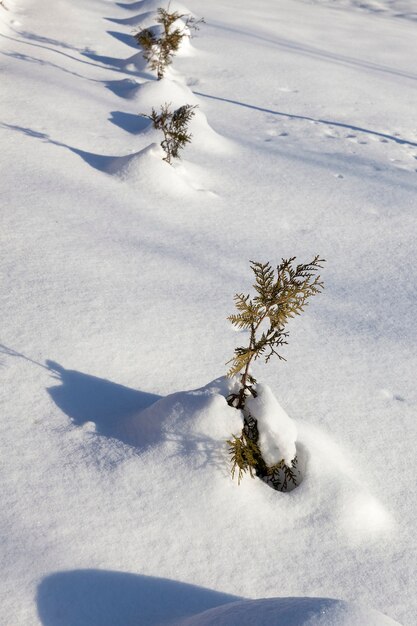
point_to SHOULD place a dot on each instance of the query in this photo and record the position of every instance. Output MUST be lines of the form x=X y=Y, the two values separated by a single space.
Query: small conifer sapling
x=174 y=125
x=159 y=46
x=281 y=294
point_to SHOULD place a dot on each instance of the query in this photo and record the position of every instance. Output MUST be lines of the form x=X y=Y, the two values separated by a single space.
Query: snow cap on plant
x=159 y=48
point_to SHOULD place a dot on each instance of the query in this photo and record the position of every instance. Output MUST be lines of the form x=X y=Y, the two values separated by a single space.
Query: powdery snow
x=119 y=273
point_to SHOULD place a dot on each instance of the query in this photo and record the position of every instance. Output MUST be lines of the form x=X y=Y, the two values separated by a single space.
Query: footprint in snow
x=193 y=82
x=392 y=396
x=354 y=139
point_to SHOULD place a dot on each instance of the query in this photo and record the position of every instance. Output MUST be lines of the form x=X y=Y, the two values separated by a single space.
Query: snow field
x=119 y=272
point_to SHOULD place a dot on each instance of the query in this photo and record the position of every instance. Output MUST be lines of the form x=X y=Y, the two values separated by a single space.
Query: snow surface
x=291 y=612
x=118 y=274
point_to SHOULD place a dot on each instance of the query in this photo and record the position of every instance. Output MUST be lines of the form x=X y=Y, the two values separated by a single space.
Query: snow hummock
x=277 y=431
x=187 y=416
x=165 y=90
x=149 y=167
x=173 y=91
x=289 y=612
x=148 y=164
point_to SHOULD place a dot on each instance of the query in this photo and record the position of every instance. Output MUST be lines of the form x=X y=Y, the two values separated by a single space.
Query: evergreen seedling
x=174 y=125
x=158 y=50
x=280 y=296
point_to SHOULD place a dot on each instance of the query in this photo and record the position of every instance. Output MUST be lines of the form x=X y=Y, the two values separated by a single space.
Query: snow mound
x=153 y=94
x=206 y=138
x=346 y=498
x=289 y=612
x=277 y=431
x=138 y=162
x=187 y=416
x=196 y=425
x=156 y=92
x=147 y=167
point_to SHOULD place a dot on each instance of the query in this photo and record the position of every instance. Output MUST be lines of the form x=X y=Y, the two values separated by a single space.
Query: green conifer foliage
x=281 y=294
x=158 y=51
x=174 y=125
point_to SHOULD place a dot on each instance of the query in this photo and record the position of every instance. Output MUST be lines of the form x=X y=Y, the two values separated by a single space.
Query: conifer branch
x=174 y=125
x=281 y=294
x=159 y=49
x=279 y=297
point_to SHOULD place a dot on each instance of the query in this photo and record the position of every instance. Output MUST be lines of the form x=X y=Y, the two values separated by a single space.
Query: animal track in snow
x=392 y=396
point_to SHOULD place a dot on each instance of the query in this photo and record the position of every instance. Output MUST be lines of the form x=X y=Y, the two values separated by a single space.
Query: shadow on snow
x=129 y=122
x=132 y=6
x=97 y=161
x=127 y=39
x=107 y=598
x=319 y=53
x=85 y=398
x=359 y=129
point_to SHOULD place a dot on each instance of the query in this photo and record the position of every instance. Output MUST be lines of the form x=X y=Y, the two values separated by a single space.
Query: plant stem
x=252 y=344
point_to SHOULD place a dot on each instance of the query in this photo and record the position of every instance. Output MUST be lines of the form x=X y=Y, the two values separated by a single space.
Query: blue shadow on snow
x=125 y=88
x=127 y=39
x=129 y=122
x=98 y=162
x=85 y=398
x=317 y=120
x=107 y=598
x=132 y=6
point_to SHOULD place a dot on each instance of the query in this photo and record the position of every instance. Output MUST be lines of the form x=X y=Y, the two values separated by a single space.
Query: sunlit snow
x=118 y=273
